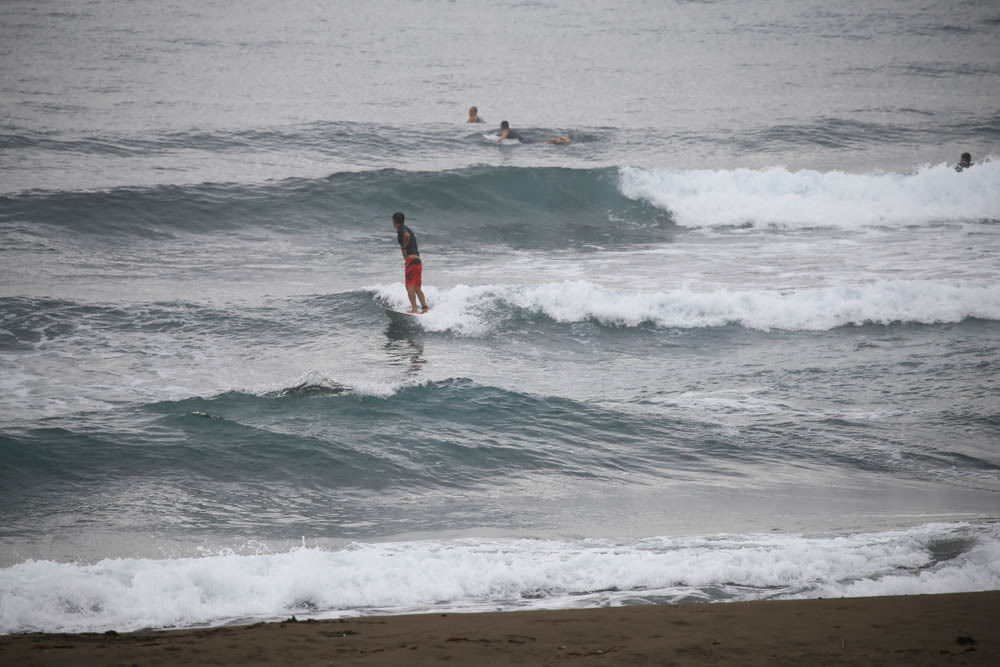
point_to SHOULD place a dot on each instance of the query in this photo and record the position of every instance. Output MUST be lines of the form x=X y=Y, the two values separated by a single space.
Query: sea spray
x=482 y=574
x=777 y=197
x=479 y=310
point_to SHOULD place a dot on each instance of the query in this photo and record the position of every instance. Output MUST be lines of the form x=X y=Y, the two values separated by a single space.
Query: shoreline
x=942 y=629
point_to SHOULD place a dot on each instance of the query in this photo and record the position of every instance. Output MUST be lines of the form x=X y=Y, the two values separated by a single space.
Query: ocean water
x=739 y=340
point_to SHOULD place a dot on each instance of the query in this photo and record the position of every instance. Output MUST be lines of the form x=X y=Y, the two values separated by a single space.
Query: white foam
x=798 y=199
x=473 y=311
x=461 y=309
x=978 y=570
x=473 y=574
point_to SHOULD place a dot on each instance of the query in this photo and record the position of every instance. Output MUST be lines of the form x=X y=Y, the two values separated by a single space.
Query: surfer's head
x=398 y=218
x=966 y=158
x=504 y=125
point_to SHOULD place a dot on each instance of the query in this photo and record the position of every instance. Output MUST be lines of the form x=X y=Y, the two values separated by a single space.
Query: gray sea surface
x=738 y=339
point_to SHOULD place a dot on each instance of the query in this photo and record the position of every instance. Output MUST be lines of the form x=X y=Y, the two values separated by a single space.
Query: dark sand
x=954 y=629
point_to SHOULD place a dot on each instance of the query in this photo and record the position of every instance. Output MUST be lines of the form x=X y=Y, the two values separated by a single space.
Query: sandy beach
x=952 y=629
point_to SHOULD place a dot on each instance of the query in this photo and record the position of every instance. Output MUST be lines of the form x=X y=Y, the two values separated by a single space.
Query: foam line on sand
x=950 y=629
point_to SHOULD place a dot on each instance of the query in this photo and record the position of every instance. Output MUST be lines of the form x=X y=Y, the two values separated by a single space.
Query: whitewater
x=738 y=340
x=487 y=575
x=778 y=197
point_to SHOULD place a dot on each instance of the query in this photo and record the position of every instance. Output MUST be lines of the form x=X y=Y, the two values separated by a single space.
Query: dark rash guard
x=410 y=249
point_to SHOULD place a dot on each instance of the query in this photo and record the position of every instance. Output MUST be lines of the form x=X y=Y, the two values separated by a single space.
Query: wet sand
x=952 y=629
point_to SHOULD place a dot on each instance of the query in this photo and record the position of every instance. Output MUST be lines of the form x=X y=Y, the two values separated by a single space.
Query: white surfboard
x=402 y=316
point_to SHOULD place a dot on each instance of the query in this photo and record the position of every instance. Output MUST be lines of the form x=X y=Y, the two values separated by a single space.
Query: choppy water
x=739 y=340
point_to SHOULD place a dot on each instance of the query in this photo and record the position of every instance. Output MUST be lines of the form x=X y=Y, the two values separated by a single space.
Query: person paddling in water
x=413 y=267
x=507 y=133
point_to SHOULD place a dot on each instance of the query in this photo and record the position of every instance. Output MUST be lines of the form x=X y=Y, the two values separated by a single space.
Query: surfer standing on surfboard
x=413 y=267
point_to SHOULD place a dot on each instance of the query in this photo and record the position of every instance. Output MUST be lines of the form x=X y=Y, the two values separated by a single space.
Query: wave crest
x=479 y=574
x=479 y=310
x=776 y=197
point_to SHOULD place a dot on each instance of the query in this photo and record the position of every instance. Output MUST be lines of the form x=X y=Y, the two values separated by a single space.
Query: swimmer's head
x=504 y=125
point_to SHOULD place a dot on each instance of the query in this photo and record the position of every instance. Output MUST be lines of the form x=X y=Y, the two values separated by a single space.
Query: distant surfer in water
x=474 y=116
x=964 y=163
x=413 y=267
x=507 y=133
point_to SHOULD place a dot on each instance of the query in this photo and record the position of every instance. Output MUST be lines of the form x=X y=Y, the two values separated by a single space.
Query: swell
x=329 y=138
x=31 y=323
x=438 y=435
x=372 y=145
x=521 y=207
x=450 y=434
x=921 y=129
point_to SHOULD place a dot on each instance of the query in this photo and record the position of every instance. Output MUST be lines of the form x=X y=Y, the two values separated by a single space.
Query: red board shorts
x=414 y=272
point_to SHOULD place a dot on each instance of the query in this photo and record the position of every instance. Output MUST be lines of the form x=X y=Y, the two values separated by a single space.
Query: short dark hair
x=966 y=157
x=398 y=218
x=504 y=125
